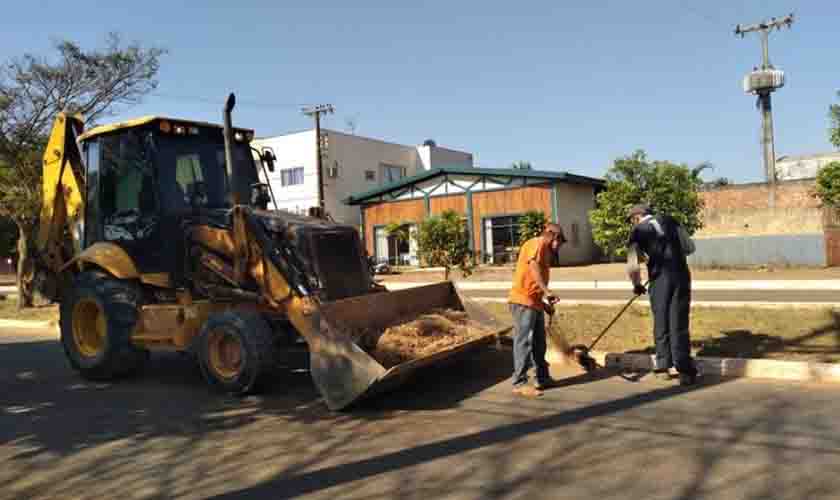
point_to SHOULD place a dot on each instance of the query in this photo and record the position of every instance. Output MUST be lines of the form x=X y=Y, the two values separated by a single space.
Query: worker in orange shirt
x=529 y=298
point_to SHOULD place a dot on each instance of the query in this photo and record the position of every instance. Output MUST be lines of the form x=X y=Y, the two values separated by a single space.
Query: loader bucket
x=345 y=373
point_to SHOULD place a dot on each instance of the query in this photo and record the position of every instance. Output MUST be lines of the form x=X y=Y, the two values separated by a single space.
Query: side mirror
x=260 y=196
x=268 y=158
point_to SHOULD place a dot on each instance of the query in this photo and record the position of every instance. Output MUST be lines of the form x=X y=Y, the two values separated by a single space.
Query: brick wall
x=789 y=194
x=832 y=246
x=741 y=227
x=831 y=221
x=744 y=210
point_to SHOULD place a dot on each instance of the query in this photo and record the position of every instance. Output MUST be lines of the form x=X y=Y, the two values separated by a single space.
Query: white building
x=351 y=164
x=790 y=168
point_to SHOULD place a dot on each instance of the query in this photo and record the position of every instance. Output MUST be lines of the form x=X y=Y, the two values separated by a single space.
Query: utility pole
x=762 y=82
x=316 y=112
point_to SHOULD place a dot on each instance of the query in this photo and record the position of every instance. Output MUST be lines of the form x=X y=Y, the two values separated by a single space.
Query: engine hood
x=331 y=252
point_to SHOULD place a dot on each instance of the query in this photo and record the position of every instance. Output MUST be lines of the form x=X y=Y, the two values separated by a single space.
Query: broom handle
x=605 y=330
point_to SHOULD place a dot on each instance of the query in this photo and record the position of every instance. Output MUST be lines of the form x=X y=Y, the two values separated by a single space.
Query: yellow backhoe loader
x=155 y=235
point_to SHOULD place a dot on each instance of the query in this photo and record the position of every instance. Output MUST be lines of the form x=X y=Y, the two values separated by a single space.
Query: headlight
x=78 y=233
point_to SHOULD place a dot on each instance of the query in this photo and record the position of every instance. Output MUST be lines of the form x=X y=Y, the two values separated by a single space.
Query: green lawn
x=795 y=334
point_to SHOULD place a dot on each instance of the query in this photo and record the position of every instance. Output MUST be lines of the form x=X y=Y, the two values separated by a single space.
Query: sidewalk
x=831 y=284
x=617 y=272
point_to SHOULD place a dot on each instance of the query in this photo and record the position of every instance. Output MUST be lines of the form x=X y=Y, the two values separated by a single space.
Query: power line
x=715 y=21
x=210 y=100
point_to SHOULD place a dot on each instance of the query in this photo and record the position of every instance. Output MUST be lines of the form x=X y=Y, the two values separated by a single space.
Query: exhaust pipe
x=228 y=131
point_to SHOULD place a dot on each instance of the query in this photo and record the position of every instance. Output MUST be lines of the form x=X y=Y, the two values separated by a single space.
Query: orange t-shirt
x=524 y=290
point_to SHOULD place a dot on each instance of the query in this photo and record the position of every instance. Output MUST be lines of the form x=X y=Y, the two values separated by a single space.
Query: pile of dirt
x=425 y=335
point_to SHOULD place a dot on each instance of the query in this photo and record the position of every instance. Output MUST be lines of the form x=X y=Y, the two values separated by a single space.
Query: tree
x=834 y=120
x=443 y=240
x=92 y=83
x=399 y=230
x=667 y=187
x=531 y=224
x=521 y=165
x=828 y=185
x=8 y=237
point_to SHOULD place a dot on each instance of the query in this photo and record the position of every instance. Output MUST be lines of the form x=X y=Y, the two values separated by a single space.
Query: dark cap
x=639 y=209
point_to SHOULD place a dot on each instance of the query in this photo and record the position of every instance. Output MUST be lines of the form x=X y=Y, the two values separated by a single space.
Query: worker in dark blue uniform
x=664 y=243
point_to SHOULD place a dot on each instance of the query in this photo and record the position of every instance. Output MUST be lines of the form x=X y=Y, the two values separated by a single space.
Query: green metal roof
x=492 y=172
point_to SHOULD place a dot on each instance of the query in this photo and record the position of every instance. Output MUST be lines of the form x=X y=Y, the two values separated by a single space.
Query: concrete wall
x=779 y=250
x=831 y=223
x=741 y=227
x=757 y=221
x=789 y=194
x=573 y=205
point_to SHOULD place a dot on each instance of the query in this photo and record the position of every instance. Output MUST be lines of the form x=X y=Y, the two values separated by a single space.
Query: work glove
x=639 y=289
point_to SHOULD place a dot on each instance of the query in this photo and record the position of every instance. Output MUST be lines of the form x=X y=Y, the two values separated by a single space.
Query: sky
x=565 y=85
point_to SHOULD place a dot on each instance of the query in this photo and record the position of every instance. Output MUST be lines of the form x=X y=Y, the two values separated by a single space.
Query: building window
x=291 y=176
x=392 y=173
x=370 y=175
x=395 y=250
x=501 y=239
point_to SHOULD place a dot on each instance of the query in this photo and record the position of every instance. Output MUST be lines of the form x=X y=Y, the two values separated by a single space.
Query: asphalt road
x=455 y=433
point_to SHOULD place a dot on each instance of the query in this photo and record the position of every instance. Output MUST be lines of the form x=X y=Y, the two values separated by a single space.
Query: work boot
x=544 y=384
x=527 y=391
x=687 y=379
x=662 y=375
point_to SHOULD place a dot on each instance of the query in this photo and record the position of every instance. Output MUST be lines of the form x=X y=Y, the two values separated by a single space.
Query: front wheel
x=98 y=316
x=234 y=349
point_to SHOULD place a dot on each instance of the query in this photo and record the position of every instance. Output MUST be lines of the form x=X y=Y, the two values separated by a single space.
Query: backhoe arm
x=62 y=203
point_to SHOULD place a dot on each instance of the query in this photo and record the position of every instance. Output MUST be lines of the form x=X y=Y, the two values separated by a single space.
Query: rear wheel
x=98 y=316
x=234 y=350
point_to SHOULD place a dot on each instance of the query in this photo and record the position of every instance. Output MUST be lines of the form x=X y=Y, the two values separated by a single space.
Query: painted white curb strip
x=23 y=323
x=707 y=303
x=803 y=371
x=625 y=285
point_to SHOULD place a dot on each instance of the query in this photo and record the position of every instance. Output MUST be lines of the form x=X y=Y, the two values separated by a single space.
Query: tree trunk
x=25 y=269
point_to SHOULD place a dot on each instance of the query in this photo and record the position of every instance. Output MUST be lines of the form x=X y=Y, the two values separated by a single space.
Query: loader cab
x=143 y=178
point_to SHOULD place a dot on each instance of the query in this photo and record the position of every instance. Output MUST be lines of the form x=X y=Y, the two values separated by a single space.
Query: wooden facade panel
x=514 y=201
x=441 y=204
x=385 y=213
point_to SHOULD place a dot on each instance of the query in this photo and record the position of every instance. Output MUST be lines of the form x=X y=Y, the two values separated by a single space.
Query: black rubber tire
x=258 y=352
x=120 y=301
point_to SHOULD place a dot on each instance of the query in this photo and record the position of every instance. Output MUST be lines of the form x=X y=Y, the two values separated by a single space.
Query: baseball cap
x=638 y=209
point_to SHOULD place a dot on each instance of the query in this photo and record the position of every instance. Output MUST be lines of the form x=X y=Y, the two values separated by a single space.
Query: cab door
x=126 y=202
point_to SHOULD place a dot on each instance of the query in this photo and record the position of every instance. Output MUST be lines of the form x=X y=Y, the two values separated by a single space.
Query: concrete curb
x=28 y=323
x=624 y=285
x=800 y=371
